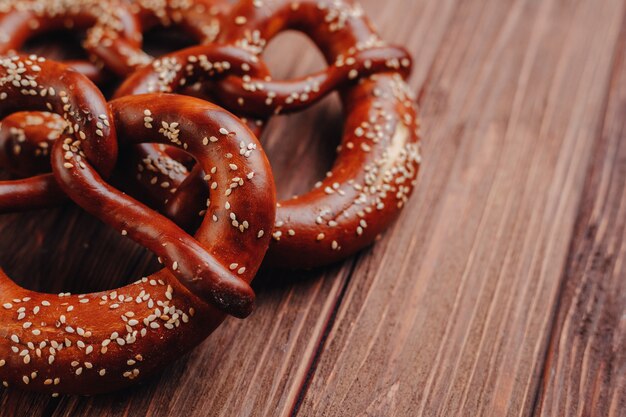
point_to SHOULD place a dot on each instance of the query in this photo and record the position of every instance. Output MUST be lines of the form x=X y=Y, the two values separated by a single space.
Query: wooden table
x=501 y=290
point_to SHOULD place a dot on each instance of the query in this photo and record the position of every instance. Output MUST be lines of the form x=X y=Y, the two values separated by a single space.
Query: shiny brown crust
x=35 y=84
x=148 y=172
x=378 y=160
x=110 y=26
x=25 y=142
x=200 y=19
x=95 y=343
x=379 y=156
x=99 y=342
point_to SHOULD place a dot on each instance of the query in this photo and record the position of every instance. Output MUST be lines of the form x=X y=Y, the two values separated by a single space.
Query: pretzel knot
x=96 y=342
x=35 y=84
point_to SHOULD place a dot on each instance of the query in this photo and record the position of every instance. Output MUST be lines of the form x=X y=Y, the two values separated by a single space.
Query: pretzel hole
x=302 y=146
x=59 y=45
x=159 y=40
x=66 y=250
x=292 y=54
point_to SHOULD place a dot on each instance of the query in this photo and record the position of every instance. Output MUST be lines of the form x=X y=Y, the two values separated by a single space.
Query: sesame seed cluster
x=197 y=165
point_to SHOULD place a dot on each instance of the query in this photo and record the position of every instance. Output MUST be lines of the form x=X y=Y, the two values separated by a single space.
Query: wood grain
x=585 y=373
x=500 y=290
x=451 y=313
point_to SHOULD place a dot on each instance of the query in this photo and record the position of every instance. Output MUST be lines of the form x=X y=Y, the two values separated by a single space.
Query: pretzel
x=23 y=19
x=220 y=286
x=98 y=342
x=311 y=220
x=93 y=343
x=35 y=84
x=199 y=19
x=379 y=156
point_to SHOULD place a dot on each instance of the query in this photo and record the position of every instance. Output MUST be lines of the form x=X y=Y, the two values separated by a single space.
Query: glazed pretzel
x=379 y=157
x=196 y=268
x=99 y=342
x=370 y=181
x=115 y=36
x=23 y=19
x=344 y=213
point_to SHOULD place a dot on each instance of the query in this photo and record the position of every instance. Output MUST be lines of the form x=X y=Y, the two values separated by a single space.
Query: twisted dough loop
x=201 y=19
x=378 y=160
x=32 y=83
x=110 y=26
x=215 y=282
x=100 y=342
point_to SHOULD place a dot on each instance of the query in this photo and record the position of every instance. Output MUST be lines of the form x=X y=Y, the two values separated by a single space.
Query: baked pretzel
x=344 y=213
x=379 y=156
x=95 y=343
x=99 y=342
x=35 y=84
x=196 y=267
x=107 y=23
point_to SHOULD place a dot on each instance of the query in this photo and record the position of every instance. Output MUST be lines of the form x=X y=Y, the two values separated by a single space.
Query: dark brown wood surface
x=501 y=290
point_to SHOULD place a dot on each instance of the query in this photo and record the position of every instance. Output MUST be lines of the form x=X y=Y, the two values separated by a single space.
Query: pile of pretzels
x=181 y=176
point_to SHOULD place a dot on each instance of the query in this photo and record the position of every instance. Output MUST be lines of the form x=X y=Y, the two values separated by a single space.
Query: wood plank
x=450 y=314
x=585 y=373
x=251 y=367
